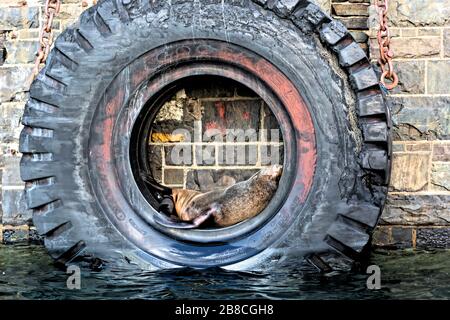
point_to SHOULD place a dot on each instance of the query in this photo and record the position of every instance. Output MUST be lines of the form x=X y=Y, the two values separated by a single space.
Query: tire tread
x=76 y=43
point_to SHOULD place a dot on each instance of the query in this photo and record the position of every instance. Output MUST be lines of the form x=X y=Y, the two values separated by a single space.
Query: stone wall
x=418 y=209
x=417 y=214
x=354 y=15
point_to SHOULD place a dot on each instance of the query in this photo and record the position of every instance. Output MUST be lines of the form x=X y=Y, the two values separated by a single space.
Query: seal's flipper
x=203 y=217
x=167 y=222
x=166 y=206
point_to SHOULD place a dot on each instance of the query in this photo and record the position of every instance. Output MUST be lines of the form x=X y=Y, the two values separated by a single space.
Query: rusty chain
x=384 y=42
x=51 y=9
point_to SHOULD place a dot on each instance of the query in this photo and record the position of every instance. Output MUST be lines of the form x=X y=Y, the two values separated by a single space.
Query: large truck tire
x=107 y=72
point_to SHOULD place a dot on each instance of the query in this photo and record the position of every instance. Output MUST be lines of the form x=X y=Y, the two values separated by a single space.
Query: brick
x=238 y=155
x=440 y=176
x=409 y=32
x=419 y=210
x=161 y=137
x=432 y=238
x=438 y=77
x=15 y=80
x=441 y=152
x=401 y=237
x=172 y=131
x=398 y=147
x=180 y=154
x=421 y=118
x=271 y=154
x=70 y=11
x=325 y=5
x=14 y=207
x=402 y=166
x=27 y=34
x=21 y=51
x=393 y=237
x=10 y=116
x=447 y=42
x=419 y=13
x=418 y=146
x=11 y=172
x=16 y=3
x=429 y=32
x=382 y=236
x=350 y=9
x=355 y=23
x=411 y=76
x=394 y=32
x=205 y=155
x=416 y=47
x=173 y=176
x=12 y=18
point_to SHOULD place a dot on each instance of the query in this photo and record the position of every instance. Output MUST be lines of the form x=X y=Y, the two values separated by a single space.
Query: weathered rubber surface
x=353 y=121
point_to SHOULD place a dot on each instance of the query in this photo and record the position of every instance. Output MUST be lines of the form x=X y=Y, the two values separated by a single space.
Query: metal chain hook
x=384 y=42
x=52 y=8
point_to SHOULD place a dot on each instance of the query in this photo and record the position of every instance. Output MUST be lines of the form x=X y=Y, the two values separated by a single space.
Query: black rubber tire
x=317 y=53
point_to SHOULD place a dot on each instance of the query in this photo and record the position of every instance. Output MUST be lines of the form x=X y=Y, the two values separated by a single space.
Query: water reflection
x=26 y=272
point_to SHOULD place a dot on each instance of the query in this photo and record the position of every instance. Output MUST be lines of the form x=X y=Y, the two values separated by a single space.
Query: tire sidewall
x=300 y=57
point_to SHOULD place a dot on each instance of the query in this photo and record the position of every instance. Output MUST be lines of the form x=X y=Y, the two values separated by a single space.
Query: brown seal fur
x=230 y=205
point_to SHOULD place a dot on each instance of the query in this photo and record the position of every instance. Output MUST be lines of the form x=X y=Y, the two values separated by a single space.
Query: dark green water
x=26 y=272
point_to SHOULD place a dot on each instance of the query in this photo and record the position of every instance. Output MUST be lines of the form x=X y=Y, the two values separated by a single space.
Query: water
x=26 y=272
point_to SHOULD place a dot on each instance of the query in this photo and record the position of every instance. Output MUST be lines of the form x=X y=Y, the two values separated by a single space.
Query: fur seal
x=226 y=206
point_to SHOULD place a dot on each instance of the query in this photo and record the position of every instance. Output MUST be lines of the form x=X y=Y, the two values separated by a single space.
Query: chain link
x=384 y=42
x=51 y=9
